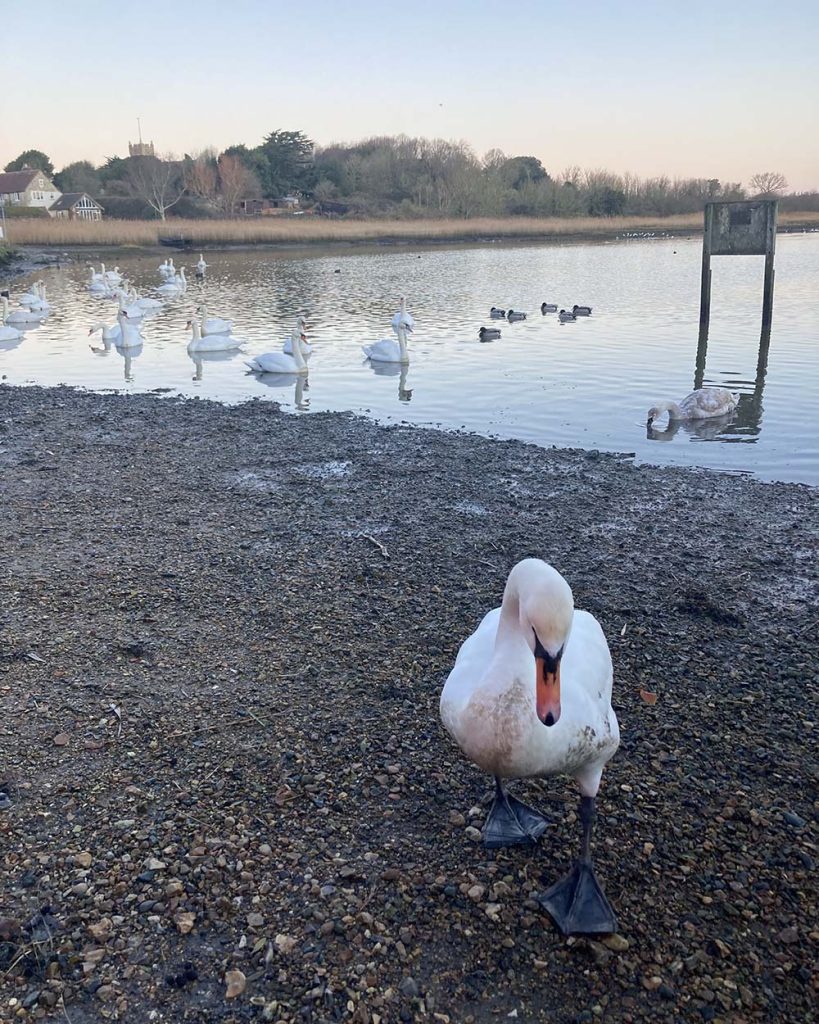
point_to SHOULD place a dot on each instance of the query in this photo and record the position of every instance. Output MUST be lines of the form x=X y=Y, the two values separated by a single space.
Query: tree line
x=392 y=176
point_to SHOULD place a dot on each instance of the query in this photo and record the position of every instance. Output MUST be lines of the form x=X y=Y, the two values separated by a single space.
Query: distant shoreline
x=294 y=232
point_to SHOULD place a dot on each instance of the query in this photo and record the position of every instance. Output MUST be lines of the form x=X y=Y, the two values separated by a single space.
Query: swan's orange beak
x=547 y=691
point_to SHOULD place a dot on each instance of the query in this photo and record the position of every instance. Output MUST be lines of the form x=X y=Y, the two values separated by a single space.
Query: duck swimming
x=529 y=696
x=489 y=333
x=497 y=314
x=512 y=316
x=565 y=317
x=582 y=310
x=548 y=307
x=702 y=404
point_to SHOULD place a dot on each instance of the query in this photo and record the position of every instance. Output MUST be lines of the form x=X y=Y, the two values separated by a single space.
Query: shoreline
x=224 y=634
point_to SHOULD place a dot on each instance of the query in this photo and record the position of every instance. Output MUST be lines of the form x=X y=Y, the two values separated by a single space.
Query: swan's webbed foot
x=578 y=905
x=511 y=822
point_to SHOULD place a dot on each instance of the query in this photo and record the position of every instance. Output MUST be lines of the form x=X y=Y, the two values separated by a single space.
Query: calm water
x=586 y=384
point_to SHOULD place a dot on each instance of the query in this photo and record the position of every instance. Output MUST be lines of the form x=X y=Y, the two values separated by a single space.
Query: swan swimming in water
x=702 y=404
x=530 y=697
x=280 y=362
x=8 y=333
x=210 y=342
x=213 y=324
x=387 y=350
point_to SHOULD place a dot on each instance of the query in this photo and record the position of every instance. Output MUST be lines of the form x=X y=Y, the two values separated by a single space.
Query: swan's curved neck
x=402 y=343
x=672 y=408
x=295 y=344
x=204 y=318
x=197 y=332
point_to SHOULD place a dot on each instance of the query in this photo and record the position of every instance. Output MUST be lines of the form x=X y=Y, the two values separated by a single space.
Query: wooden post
x=705 y=284
x=768 y=286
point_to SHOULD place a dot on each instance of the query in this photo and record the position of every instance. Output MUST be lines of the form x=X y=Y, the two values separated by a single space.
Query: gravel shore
x=226 y=795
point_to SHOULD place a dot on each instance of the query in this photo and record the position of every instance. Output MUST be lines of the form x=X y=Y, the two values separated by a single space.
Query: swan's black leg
x=511 y=822
x=576 y=903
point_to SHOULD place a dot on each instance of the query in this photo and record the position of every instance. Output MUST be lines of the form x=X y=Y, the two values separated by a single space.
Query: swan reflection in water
x=285 y=380
x=200 y=358
x=698 y=430
x=128 y=354
x=399 y=370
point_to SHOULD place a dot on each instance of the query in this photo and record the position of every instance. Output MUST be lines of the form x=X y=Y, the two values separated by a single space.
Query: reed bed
x=310 y=230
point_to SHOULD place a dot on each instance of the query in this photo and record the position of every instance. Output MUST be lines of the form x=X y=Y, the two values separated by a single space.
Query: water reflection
x=589 y=387
x=128 y=352
x=399 y=370
x=700 y=430
x=200 y=358
x=301 y=401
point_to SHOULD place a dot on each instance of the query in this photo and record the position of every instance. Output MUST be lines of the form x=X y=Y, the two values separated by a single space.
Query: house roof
x=18 y=181
x=70 y=199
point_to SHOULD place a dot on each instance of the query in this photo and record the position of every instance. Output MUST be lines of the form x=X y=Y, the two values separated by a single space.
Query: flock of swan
x=211 y=334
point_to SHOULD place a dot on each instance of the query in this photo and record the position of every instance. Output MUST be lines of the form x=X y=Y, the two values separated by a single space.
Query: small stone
x=409 y=988
x=265 y=850
x=456 y=818
x=475 y=892
x=101 y=930
x=285 y=943
x=84 y=859
x=615 y=942
x=105 y=993
x=794 y=819
x=652 y=983
x=789 y=936
x=31 y=998
x=667 y=992
x=255 y=920
x=152 y=864
x=61 y=739
x=174 y=888
x=236 y=984
x=184 y=921
x=473 y=833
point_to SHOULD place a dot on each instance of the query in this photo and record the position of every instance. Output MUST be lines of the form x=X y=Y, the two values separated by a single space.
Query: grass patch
x=296 y=230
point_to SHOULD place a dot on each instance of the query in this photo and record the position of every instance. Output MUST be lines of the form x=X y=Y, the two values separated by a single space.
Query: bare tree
x=236 y=181
x=201 y=176
x=768 y=184
x=159 y=181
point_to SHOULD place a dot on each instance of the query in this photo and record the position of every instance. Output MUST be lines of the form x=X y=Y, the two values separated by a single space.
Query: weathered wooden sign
x=739 y=229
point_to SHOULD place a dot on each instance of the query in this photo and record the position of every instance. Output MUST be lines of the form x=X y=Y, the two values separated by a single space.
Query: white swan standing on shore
x=280 y=362
x=530 y=696
x=702 y=404
x=8 y=333
x=210 y=342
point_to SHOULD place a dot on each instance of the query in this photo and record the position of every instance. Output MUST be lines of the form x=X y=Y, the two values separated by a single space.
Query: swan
x=497 y=314
x=8 y=333
x=582 y=310
x=387 y=350
x=548 y=307
x=201 y=266
x=130 y=333
x=530 y=696
x=174 y=285
x=25 y=316
x=113 y=276
x=512 y=316
x=112 y=333
x=213 y=324
x=129 y=308
x=489 y=333
x=402 y=318
x=565 y=317
x=210 y=342
x=31 y=297
x=279 y=362
x=305 y=346
x=702 y=404
x=144 y=303
x=167 y=268
x=97 y=284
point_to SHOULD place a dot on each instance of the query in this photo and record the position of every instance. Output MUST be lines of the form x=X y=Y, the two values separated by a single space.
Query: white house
x=76 y=206
x=28 y=187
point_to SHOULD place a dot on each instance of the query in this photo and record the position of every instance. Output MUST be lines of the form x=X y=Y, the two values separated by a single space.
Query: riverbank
x=316 y=230
x=224 y=632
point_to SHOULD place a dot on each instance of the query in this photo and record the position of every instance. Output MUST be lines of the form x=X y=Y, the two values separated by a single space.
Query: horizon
x=693 y=103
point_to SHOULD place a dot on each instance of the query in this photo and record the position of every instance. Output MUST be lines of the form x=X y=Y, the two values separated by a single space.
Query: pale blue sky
x=712 y=88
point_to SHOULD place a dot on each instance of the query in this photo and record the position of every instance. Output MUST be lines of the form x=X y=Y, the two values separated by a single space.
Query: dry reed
x=307 y=230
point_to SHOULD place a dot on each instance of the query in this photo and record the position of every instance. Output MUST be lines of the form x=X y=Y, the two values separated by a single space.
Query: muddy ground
x=223 y=633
